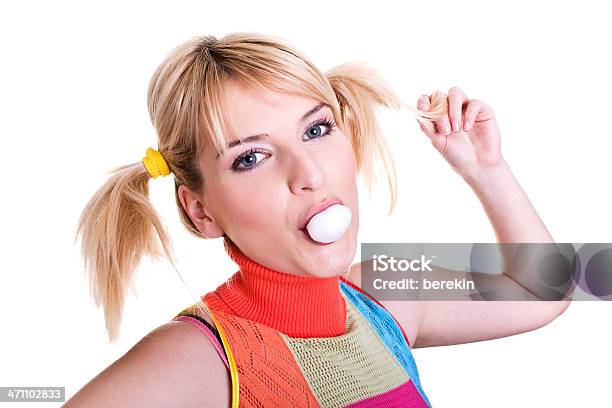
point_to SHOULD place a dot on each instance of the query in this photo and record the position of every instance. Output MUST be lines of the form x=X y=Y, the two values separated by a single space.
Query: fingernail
x=466 y=126
x=457 y=127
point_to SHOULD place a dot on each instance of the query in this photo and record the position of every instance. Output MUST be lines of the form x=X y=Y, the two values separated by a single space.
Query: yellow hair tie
x=155 y=163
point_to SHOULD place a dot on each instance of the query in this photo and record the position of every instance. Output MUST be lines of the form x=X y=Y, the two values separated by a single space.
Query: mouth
x=309 y=238
x=317 y=208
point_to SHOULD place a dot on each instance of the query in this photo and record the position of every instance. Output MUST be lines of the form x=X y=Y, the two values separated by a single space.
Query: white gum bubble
x=329 y=225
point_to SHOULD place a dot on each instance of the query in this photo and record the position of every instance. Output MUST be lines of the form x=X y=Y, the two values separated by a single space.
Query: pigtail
x=359 y=89
x=118 y=226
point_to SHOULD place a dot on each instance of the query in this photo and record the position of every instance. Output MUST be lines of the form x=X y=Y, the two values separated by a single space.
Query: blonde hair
x=185 y=101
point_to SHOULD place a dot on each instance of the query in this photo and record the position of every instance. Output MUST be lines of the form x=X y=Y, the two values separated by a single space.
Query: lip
x=317 y=208
x=305 y=231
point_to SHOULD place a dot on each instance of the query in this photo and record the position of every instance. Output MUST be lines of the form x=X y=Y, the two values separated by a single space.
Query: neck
x=299 y=306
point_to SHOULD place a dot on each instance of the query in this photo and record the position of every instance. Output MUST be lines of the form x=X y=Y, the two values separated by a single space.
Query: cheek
x=344 y=157
x=246 y=205
x=346 y=171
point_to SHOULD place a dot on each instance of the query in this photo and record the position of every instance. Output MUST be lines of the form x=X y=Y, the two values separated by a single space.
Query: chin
x=337 y=257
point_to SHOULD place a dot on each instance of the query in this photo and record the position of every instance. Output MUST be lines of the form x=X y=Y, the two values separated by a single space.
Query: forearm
x=515 y=221
x=512 y=216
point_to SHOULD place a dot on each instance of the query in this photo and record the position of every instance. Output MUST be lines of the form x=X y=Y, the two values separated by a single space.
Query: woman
x=259 y=142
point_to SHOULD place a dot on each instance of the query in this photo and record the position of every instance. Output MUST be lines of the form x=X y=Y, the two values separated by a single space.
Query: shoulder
x=200 y=312
x=409 y=314
x=173 y=365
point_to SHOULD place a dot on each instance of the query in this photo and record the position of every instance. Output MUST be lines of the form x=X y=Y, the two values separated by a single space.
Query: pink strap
x=208 y=333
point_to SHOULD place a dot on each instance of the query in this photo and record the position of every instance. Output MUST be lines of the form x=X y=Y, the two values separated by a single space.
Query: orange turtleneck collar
x=299 y=306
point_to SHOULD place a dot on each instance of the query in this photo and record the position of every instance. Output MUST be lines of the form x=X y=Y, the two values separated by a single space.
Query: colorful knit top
x=303 y=341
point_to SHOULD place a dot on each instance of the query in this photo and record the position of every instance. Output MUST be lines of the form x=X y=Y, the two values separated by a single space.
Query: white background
x=73 y=106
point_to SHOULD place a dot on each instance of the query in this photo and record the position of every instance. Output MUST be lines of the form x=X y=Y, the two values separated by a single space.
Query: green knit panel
x=347 y=368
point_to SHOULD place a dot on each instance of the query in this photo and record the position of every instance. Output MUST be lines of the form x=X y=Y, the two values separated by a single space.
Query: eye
x=249 y=158
x=314 y=131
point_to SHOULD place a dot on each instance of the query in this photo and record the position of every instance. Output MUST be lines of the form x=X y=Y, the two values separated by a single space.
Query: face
x=258 y=191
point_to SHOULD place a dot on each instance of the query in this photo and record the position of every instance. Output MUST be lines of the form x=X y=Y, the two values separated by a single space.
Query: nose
x=307 y=173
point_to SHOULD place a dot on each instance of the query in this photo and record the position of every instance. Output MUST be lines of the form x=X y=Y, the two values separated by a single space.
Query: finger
x=443 y=126
x=437 y=139
x=456 y=100
x=471 y=112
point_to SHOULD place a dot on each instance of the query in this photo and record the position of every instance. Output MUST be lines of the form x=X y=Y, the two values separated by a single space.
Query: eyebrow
x=262 y=135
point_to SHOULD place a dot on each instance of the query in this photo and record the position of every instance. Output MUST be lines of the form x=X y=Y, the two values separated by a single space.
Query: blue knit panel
x=388 y=330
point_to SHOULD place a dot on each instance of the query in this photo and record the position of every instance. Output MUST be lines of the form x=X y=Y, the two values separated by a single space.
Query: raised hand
x=468 y=136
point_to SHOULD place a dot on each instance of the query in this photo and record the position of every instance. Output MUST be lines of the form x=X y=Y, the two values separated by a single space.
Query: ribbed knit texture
x=299 y=306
